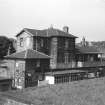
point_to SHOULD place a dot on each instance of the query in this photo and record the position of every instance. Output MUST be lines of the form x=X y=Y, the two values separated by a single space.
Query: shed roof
x=87 y=50
x=46 y=32
x=28 y=54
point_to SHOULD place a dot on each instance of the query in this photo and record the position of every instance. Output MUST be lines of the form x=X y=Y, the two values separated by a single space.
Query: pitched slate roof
x=87 y=50
x=28 y=54
x=46 y=33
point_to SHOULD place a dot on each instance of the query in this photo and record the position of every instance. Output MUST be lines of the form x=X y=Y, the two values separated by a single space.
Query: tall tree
x=6 y=46
x=12 y=46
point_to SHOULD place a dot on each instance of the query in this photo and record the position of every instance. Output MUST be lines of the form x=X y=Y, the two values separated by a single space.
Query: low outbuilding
x=28 y=67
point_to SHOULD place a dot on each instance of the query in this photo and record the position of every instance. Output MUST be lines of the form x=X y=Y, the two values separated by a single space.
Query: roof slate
x=87 y=50
x=47 y=32
x=28 y=54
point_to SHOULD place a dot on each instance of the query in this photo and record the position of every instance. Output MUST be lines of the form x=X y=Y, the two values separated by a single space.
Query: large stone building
x=41 y=52
x=60 y=45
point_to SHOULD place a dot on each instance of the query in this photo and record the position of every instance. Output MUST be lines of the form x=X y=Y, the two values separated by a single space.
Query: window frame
x=66 y=43
x=66 y=57
x=21 y=42
x=42 y=42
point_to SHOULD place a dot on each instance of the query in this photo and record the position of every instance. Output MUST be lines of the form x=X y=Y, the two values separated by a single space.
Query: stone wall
x=53 y=53
x=10 y=64
x=65 y=52
x=15 y=70
x=41 y=44
x=27 y=42
x=19 y=75
x=3 y=71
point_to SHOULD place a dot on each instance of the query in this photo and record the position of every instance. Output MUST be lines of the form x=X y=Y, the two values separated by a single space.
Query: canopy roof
x=87 y=50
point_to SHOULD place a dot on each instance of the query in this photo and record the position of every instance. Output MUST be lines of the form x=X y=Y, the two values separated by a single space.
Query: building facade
x=43 y=54
x=28 y=67
x=60 y=45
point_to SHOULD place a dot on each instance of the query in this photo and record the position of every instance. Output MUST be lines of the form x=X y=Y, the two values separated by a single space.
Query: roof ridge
x=27 y=31
x=13 y=53
x=46 y=32
x=33 y=29
x=25 y=54
x=41 y=53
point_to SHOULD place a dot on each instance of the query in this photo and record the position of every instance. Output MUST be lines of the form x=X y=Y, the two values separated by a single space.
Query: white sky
x=84 y=17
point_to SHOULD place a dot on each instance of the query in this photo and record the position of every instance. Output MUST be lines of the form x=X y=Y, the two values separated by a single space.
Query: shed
x=29 y=67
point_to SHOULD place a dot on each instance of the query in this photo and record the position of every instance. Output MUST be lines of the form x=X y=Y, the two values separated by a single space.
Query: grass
x=85 y=92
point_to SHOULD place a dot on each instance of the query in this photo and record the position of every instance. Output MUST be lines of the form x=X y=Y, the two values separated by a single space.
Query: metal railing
x=68 y=78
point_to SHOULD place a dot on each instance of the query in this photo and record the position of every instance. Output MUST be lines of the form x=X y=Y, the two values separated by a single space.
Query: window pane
x=21 y=42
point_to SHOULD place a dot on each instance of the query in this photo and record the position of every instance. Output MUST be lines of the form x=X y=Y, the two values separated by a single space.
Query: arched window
x=66 y=57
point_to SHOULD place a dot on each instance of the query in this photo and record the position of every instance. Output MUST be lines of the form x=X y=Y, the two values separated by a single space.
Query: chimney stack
x=66 y=29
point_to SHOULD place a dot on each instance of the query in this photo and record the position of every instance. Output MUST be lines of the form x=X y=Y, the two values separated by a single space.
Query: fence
x=64 y=78
x=70 y=77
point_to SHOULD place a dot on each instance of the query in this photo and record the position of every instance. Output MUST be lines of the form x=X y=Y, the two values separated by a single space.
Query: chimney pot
x=66 y=29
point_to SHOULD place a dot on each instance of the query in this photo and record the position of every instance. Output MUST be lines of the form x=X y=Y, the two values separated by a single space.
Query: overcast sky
x=84 y=17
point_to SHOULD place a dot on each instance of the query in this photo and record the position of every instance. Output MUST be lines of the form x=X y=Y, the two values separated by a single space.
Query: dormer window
x=21 y=42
